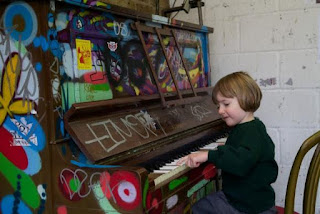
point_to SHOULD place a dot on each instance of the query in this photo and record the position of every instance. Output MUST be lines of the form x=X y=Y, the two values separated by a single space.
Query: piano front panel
x=166 y=198
x=88 y=188
x=107 y=188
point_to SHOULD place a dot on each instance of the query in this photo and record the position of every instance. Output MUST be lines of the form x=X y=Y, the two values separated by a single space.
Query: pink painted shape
x=95 y=77
x=62 y=210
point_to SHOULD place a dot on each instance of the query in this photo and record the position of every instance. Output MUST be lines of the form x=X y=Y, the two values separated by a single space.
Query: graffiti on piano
x=120 y=188
x=141 y=124
x=55 y=82
x=200 y=112
x=121 y=29
x=126 y=68
x=22 y=136
x=175 y=113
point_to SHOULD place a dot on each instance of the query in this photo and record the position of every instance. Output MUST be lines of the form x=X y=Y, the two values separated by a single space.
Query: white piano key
x=211 y=146
x=168 y=167
x=174 y=162
x=158 y=171
x=221 y=140
x=170 y=174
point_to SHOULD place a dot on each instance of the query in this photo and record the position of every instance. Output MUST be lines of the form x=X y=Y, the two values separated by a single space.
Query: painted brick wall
x=276 y=41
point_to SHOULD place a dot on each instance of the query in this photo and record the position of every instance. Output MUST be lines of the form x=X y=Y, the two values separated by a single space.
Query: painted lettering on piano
x=200 y=112
x=118 y=131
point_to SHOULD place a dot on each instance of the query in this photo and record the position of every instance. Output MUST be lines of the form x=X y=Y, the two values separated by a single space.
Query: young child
x=247 y=158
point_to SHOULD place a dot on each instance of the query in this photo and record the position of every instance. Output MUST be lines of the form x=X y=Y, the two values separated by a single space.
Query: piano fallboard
x=117 y=131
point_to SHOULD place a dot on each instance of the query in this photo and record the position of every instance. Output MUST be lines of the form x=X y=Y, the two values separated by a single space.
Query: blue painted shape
x=62 y=127
x=92 y=165
x=44 y=43
x=55 y=49
x=205 y=51
x=36 y=42
x=38 y=67
x=18 y=125
x=34 y=161
x=50 y=19
x=24 y=11
x=8 y=203
x=41 y=41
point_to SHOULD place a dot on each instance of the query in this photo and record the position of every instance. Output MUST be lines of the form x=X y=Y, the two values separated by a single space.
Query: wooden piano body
x=93 y=98
x=127 y=141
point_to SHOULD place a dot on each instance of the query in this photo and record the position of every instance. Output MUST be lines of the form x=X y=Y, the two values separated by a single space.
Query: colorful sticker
x=84 y=54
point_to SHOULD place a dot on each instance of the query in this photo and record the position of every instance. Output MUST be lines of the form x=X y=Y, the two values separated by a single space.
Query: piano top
x=111 y=129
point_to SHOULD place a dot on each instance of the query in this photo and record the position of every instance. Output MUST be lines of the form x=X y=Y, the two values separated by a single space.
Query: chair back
x=312 y=180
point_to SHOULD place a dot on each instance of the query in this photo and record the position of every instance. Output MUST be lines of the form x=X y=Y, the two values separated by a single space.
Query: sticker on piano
x=113 y=46
x=148 y=120
x=84 y=54
x=126 y=189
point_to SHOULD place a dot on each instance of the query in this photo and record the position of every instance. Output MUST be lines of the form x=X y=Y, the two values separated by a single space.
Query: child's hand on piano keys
x=194 y=159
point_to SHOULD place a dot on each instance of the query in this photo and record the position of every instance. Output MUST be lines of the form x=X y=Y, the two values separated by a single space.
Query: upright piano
x=97 y=103
x=131 y=143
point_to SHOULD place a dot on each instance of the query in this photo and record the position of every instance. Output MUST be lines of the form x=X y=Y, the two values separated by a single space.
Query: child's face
x=231 y=112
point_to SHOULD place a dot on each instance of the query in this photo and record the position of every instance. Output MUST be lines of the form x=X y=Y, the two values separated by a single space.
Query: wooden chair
x=312 y=180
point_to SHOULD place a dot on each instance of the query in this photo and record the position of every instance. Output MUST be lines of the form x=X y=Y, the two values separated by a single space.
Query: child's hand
x=194 y=159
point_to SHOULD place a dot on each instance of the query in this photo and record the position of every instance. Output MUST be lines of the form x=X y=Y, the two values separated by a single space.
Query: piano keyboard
x=171 y=169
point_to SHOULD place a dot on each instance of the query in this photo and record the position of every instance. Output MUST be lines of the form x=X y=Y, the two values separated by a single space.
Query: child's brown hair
x=243 y=87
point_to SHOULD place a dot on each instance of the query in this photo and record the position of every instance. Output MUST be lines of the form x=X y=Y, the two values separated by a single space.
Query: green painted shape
x=202 y=193
x=75 y=92
x=102 y=87
x=68 y=98
x=144 y=194
x=95 y=92
x=102 y=200
x=196 y=187
x=74 y=184
x=29 y=193
x=210 y=187
x=177 y=182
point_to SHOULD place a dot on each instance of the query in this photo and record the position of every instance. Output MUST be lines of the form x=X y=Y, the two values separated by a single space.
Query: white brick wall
x=276 y=41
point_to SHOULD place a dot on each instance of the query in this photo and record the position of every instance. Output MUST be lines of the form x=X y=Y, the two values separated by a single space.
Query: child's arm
x=194 y=159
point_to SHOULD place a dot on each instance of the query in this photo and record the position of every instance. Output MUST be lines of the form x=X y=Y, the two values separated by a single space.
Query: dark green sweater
x=248 y=167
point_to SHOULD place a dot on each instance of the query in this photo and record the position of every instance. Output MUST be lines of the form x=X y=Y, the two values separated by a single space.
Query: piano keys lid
x=113 y=128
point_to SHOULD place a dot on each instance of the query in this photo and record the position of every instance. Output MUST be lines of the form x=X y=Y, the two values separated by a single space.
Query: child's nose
x=220 y=110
